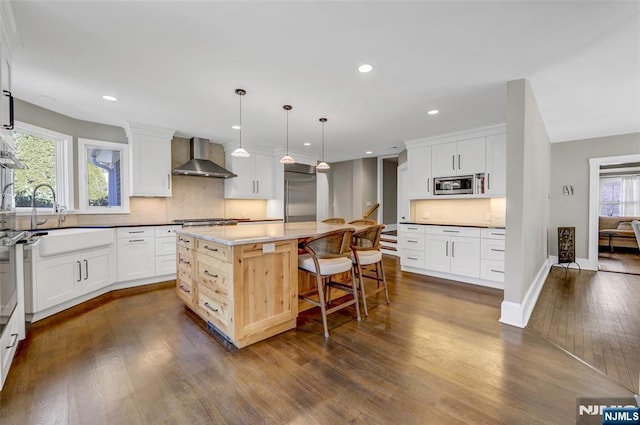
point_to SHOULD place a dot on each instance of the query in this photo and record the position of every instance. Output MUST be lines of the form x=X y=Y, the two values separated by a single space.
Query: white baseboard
x=457 y=278
x=518 y=314
x=39 y=315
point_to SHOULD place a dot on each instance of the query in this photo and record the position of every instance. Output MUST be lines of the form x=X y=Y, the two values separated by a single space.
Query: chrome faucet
x=34 y=215
x=4 y=195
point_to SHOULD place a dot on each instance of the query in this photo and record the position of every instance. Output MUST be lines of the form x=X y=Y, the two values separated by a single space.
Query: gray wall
x=570 y=166
x=353 y=184
x=390 y=191
x=528 y=171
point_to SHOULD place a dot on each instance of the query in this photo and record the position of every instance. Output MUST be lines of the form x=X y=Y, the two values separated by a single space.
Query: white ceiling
x=176 y=64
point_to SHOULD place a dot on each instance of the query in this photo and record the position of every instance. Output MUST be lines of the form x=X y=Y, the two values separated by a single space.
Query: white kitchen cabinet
x=454 y=250
x=8 y=346
x=136 y=253
x=411 y=244
x=150 y=160
x=464 y=157
x=421 y=182
x=492 y=254
x=64 y=277
x=496 y=158
x=255 y=179
x=165 y=249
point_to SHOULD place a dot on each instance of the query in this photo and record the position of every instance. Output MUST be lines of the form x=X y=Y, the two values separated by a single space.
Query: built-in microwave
x=453 y=185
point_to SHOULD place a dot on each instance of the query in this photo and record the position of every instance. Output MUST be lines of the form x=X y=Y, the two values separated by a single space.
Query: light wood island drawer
x=213 y=249
x=186 y=241
x=214 y=274
x=215 y=309
x=184 y=289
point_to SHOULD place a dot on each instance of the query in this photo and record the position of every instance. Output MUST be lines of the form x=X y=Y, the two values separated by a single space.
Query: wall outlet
x=425 y=215
x=268 y=248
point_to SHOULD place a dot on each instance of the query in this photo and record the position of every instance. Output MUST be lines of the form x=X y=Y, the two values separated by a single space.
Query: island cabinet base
x=247 y=292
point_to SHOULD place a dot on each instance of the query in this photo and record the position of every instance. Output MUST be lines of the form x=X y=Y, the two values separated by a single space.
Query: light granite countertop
x=261 y=233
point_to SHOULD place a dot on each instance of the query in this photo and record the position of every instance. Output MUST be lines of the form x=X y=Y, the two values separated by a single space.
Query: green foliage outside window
x=39 y=157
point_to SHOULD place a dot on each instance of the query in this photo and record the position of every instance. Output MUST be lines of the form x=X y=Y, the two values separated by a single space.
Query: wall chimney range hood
x=199 y=164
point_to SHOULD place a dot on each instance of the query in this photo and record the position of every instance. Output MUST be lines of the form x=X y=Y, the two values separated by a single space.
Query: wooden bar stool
x=329 y=254
x=367 y=256
x=363 y=221
x=334 y=220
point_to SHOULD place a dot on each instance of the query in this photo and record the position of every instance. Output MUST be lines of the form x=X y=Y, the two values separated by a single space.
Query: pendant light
x=286 y=159
x=240 y=152
x=323 y=165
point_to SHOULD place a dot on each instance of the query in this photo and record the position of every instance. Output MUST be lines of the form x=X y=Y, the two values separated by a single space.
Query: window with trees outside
x=46 y=155
x=103 y=176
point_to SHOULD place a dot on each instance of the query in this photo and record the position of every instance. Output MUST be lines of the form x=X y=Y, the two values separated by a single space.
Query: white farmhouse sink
x=62 y=241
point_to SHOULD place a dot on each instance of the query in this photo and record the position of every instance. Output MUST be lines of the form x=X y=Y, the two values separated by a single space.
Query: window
x=620 y=196
x=103 y=175
x=47 y=157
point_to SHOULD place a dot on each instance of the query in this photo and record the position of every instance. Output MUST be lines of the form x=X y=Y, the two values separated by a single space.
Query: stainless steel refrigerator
x=299 y=193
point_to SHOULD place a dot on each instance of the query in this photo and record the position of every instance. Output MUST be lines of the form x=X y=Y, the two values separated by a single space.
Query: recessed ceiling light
x=368 y=152
x=235 y=127
x=365 y=68
x=433 y=112
x=307 y=143
x=110 y=98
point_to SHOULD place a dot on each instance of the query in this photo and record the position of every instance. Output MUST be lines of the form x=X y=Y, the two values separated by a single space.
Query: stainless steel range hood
x=199 y=164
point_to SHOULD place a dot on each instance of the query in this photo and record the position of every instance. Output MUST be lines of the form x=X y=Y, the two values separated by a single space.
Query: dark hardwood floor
x=619 y=261
x=596 y=317
x=436 y=355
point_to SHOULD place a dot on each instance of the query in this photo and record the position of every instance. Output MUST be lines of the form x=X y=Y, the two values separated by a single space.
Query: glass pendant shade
x=240 y=152
x=322 y=165
x=287 y=159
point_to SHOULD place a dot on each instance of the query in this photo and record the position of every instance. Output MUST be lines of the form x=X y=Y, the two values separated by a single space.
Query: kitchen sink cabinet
x=150 y=160
x=61 y=278
x=255 y=180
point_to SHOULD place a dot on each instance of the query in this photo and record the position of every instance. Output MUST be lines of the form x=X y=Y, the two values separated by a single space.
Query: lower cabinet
x=8 y=346
x=62 y=278
x=466 y=252
x=247 y=292
x=136 y=253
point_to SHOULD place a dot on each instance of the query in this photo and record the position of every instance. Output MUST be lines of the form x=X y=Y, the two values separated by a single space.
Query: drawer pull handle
x=209 y=274
x=210 y=249
x=184 y=261
x=497 y=234
x=497 y=250
x=136 y=231
x=412 y=258
x=497 y=271
x=408 y=240
x=185 y=289
x=15 y=339
x=136 y=240
x=412 y=228
x=215 y=310
x=185 y=240
x=451 y=231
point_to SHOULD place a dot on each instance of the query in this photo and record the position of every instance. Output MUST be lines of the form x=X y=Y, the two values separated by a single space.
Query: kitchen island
x=243 y=280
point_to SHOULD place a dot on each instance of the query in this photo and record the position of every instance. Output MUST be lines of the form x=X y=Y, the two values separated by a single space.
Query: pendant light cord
x=240 y=96
x=323 y=142
x=287 y=132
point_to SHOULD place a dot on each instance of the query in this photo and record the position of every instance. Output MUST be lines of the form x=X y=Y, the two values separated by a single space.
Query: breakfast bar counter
x=243 y=280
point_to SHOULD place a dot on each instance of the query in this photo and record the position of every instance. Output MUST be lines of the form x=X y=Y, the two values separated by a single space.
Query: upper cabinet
x=420 y=175
x=459 y=158
x=150 y=159
x=255 y=180
x=480 y=153
x=496 y=157
x=8 y=40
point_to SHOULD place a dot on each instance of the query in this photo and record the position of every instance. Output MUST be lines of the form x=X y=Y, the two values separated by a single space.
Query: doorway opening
x=615 y=204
